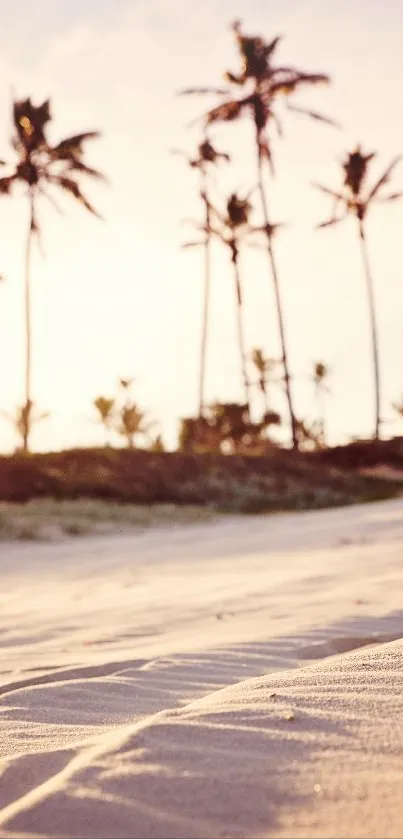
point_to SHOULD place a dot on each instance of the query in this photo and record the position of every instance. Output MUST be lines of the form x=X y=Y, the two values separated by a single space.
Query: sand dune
x=200 y=682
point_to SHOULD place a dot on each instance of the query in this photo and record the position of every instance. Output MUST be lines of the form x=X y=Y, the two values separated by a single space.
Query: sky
x=119 y=297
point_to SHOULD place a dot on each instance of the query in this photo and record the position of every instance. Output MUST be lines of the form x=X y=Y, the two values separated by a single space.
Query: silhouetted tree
x=132 y=422
x=39 y=168
x=264 y=85
x=23 y=420
x=355 y=199
x=105 y=406
x=122 y=414
x=205 y=158
x=226 y=428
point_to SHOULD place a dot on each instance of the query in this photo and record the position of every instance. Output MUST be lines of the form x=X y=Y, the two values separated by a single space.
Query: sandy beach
x=234 y=678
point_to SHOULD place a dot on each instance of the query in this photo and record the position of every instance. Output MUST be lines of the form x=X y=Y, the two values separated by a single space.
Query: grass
x=49 y=519
x=84 y=491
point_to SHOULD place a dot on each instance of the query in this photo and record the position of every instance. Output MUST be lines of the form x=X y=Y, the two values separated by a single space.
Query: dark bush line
x=284 y=480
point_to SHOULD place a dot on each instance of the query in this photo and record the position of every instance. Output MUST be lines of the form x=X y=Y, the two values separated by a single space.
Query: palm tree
x=130 y=420
x=230 y=228
x=264 y=84
x=105 y=406
x=206 y=156
x=23 y=420
x=39 y=168
x=132 y=423
x=356 y=198
x=320 y=376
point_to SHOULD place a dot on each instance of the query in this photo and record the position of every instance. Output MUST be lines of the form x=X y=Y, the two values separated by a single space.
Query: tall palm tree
x=356 y=198
x=230 y=228
x=39 y=168
x=265 y=84
x=206 y=156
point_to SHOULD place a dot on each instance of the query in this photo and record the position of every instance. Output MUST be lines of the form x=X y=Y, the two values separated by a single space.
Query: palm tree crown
x=41 y=165
x=356 y=197
x=230 y=225
x=206 y=153
x=265 y=82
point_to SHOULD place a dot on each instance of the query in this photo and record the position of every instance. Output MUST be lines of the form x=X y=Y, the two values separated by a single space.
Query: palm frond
x=290 y=83
x=313 y=115
x=313 y=78
x=233 y=78
x=70 y=186
x=384 y=179
x=337 y=195
x=6 y=184
x=226 y=112
x=72 y=146
x=77 y=166
x=270 y=48
x=393 y=197
x=329 y=223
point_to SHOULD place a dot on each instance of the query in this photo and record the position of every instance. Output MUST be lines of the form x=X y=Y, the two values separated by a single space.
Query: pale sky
x=119 y=297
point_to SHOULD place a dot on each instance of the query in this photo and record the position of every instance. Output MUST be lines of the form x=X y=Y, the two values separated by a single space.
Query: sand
x=239 y=678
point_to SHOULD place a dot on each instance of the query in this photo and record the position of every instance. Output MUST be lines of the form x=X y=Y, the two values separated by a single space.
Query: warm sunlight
x=201 y=414
x=119 y=296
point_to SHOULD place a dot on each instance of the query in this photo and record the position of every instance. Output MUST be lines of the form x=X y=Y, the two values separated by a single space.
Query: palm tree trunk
x=374 y=333
x=279 y=308
x=206 y=297
x=28 y=330
x=241 y=338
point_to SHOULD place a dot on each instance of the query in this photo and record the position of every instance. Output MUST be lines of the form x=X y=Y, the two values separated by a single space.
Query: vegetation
x=263 y=84
x=356 y=199
x=282 y=480
x=226 y=428
x=121 y=414
x=229 y=453
x=49 y=519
